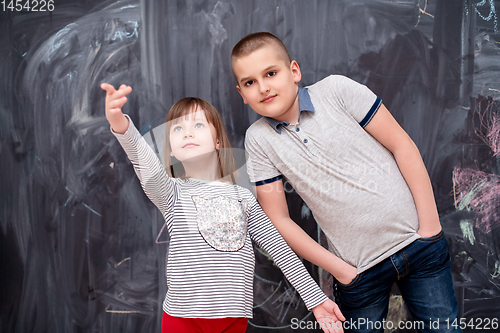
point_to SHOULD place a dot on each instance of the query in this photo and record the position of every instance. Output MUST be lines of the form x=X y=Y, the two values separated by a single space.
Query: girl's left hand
x=329 y=316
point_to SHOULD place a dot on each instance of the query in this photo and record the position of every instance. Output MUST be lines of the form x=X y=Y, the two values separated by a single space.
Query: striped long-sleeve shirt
x=211 y=225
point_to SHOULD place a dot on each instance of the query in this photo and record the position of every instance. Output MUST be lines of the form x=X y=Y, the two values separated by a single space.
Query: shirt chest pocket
x=222 y=222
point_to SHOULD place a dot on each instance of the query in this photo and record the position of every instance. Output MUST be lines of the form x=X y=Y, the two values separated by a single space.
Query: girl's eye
x=177 y=128
x=199 y=125
x=248 y=83
x=271 y=73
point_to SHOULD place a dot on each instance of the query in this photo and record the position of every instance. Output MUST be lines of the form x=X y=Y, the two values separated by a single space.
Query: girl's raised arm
x=155 y=182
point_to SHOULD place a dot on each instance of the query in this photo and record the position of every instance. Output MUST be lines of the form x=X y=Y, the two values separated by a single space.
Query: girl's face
x=192 y=136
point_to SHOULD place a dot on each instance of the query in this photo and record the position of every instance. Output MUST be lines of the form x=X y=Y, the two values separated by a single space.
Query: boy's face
x=268 y=84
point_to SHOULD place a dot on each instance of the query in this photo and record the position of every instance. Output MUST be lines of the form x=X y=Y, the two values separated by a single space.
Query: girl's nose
x=188 y=134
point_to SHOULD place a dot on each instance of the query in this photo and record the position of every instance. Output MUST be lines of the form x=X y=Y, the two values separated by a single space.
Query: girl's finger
x=115 y=111
x=109 y=88
x=118 y=103
x=338 y=313
x=122 y=92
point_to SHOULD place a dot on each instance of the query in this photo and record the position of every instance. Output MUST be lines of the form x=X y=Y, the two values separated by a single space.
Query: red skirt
x=171 y=324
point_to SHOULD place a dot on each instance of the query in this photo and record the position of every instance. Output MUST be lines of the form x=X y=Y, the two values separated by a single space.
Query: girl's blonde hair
x=227 y=164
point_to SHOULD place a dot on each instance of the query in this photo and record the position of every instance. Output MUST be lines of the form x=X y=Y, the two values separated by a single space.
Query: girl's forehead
x=194 y=113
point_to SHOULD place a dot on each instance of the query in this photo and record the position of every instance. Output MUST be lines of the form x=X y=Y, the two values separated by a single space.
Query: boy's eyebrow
x=243 y=79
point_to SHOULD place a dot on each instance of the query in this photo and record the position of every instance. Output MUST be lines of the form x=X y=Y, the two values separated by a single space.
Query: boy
x=363 y=179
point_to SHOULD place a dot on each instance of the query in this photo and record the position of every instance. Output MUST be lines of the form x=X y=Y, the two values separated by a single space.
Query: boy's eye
x=248 y=83
x=199 y=125
x=271 y=73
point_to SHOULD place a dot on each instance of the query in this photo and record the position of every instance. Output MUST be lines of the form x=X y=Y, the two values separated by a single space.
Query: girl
x=210 y=220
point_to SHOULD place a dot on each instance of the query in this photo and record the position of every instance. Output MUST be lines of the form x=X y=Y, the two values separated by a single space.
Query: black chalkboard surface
x=81 y=249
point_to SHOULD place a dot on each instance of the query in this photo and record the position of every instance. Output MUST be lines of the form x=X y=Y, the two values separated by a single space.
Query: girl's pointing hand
x=115 y=99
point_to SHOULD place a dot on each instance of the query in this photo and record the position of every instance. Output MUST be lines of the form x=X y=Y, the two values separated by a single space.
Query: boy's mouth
x=268 y=99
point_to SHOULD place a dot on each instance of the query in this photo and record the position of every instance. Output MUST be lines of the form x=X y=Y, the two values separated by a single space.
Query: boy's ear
x=297 y=75
x=239 y=90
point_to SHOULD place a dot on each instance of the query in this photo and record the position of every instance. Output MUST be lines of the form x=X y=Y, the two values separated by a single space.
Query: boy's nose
x=264 y=88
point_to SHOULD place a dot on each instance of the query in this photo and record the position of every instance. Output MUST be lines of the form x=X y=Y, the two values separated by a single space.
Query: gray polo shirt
x=350 y=182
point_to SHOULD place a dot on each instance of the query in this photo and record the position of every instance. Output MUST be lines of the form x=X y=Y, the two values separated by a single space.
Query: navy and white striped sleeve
x=155 y=182
x=265 y=235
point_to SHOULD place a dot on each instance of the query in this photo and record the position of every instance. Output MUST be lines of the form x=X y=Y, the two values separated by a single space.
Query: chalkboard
x=81 y=245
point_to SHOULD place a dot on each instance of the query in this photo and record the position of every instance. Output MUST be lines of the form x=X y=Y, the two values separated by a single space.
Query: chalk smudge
x=468 y=231
x=478 y=192
x=487 y=123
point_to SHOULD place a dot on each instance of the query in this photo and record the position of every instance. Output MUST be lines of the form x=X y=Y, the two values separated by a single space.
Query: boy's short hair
x=252 y=42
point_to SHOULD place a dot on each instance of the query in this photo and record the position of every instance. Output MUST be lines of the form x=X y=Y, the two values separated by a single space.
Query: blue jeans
x=422 y=272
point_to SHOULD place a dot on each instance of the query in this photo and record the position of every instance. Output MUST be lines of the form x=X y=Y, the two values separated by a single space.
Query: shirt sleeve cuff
x=127 y=132
x=371 y=113
x=317 y=302
x=267 y=181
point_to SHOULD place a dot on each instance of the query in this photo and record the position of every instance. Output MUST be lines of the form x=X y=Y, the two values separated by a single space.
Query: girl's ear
x=217 y=144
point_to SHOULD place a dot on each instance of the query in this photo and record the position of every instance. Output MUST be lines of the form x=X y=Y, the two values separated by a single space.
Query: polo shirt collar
x=305 y=104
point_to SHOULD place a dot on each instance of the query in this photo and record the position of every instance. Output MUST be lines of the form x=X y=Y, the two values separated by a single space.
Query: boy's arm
x=272 y=199
x=384 y=128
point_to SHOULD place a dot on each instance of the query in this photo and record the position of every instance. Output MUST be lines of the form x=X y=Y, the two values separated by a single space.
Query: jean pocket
x=432 y=239
x=353 y=282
